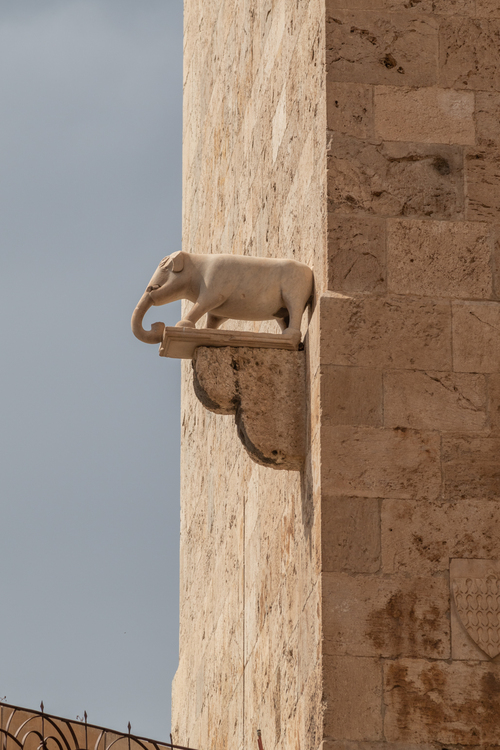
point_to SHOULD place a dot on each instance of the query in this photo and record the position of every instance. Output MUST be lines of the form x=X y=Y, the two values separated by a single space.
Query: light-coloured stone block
x=426 y=115
x=457 y=703
x=381 y=48
x=352 y=698
x=356 y=253
x=371 y=462
x=389 y=617
x=476 y=336
x=350 y=534
x=455 y=402
x=424 y=536
x=394 y=179
x=393 y=332
x=442 y=259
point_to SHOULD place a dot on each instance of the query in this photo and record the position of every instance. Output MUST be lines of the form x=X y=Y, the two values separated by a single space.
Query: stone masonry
x=361 y=137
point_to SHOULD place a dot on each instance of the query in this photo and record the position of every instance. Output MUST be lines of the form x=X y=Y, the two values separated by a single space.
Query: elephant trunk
x=155 y=335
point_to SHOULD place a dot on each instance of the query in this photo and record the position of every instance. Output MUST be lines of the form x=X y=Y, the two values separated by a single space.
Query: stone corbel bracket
x=265 y=390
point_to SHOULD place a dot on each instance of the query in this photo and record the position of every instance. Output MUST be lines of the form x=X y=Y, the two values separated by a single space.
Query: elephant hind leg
x=214 y=321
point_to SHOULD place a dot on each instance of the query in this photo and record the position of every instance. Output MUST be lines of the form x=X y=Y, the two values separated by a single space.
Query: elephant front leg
x=197 y=311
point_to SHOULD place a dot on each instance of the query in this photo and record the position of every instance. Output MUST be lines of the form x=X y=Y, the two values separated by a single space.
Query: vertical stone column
x=255 y=184
x=410 y=471
x=361 y=137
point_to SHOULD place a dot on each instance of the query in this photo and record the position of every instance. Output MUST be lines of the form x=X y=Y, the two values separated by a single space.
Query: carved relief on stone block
x=475 y=612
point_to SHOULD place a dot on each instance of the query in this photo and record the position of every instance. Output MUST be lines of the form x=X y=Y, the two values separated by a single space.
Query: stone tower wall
x=410 y=359
x=362 y=138
x=254 y=183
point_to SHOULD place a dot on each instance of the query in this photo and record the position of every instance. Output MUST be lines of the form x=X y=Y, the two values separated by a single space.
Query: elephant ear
x=177 y=261
x=174 y=262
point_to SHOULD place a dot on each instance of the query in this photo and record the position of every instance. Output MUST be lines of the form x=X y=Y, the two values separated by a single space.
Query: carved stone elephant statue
x=227 y=286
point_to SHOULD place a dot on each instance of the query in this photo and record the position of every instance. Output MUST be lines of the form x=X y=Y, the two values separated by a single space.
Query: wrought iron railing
x=23 y=729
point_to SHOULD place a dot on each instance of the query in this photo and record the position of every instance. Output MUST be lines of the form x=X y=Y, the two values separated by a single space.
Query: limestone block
x=471 y=467
x=469 y=53
x=456 y=703
x=352 y=693
x=392 y=332
x=371 y=462
x=483 y=184
x=351 y=395
x=494 y=402
x=394 y=179
x=381 y=48
x=488 y=117
x=350 y=108
x=350 y=534
x=265 y=389
x=425 y=115
x=455 y=402
x=436 y=258
x=439 y=7
x=345 y=745
x=476 y=336
x=389 y=617
x=487 y=9
x=356 y=253
x=425 y=536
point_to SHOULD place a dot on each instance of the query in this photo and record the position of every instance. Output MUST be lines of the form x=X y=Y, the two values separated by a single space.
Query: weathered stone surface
x=356 y=253
x=456 y=703
x=454 y=402
x=390 y=617
x=483 y=184
x=394 y=332
x=350 y=534
x=378 y=509
x=351 y=395
x=394 y=179
x=469 y=53
x=487 y=117
x=487 y=9
x=471 y=468
x=494 y=401
x=352 y=698
x=427 y=115
x=425 y=536
x=346 y=745
x=350 y=108
x=476 y=336
x=436 y=258
x=381 y=48
x=371 y=462
x=440 y=7
x=265 y=389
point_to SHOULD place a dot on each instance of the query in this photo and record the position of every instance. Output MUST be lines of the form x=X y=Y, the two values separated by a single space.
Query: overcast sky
x=90 y=201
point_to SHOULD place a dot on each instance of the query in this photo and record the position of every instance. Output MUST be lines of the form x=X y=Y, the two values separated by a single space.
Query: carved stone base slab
x=180 y=343
x=265 y=390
